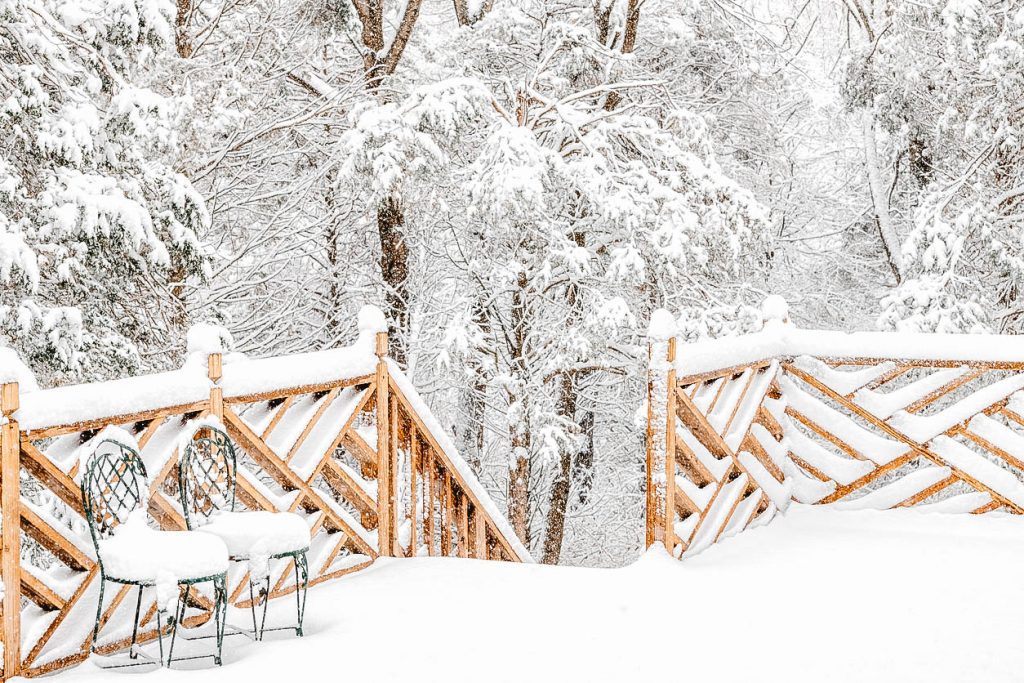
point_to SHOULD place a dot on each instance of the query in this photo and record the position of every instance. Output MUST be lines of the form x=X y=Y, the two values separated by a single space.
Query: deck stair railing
x=338 y=436
x=739 y=427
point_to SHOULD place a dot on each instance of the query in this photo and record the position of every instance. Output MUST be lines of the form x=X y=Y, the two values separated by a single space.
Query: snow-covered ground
x=818 y=595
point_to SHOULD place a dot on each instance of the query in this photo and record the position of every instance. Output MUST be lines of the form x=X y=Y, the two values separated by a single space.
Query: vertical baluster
x=431 y=497
x=446 y=520
x=414 y=456
x=463 y=524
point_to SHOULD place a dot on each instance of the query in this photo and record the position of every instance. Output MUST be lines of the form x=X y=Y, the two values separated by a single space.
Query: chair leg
x=301 y=568
x=220 y=614
x=179 y=616
x=160 y=631
x=99 y=615
x=132 y=654
x=264 y=595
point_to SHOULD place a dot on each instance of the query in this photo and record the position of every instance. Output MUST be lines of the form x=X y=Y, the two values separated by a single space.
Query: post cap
x=14 y=371
x=663 y=326
x=203 y=339
x=775 y=310
x=372 y=320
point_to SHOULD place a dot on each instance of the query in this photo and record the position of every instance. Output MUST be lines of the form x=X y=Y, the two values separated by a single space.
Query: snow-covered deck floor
x=819 y=595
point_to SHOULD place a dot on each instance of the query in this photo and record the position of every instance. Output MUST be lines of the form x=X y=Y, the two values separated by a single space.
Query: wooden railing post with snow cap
x=371 y=321
x=10 y=501
x=208 y=343
x=215 y=370
x=660 y=429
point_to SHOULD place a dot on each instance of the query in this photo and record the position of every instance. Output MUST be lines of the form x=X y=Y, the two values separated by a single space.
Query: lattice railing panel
x=856 y=432
x=359 y=458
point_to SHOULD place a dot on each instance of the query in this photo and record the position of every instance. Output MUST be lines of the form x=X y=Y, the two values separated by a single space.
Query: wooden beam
x=325 y=403
x=278 y=414
x=53 y=540
x=299 y=390
x=126 y=418
x=10 y=535
x=385 y=497
x=38 y=592
x=345 y=486
x=414 y=453
x=43 y=469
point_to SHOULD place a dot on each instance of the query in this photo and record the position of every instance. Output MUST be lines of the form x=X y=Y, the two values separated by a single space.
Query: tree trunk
x=602 y=16
x=182 y=40
x=394 y=267
x=583 y=464
x=562 y=483
x=880 y=198
x=519 y=422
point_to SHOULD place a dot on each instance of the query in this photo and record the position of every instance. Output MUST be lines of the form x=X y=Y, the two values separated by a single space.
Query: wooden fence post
x=661 y=430
x=670 y=448
x=385 y=475
x=10 y=500
x=215 y=370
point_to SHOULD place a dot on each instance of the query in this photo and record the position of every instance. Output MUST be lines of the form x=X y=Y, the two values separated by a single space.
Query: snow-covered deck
x=817 y=595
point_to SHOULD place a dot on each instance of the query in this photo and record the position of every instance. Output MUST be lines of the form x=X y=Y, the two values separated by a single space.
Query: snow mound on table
x=138 y=553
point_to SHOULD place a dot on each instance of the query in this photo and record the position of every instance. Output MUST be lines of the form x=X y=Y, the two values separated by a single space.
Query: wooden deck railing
x=740 y=427
x=358 y=455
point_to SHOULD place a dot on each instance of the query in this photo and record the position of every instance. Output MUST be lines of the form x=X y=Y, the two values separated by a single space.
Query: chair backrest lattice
x=207 y=475
x=114 y=485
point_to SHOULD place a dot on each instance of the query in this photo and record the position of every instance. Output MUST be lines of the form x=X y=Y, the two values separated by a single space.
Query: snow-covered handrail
x=739 y=427
x=339 y=436
x=860 y=348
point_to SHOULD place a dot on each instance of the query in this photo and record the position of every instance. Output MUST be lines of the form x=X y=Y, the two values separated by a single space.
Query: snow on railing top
x=82 y=403
x=780 y=339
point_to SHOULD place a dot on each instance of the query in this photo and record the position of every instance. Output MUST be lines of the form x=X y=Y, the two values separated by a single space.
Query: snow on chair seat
x=248 y=534
x=143 y=555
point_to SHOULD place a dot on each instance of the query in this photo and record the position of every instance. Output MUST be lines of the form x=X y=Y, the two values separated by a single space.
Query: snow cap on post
x=663 y=326
x=203 y=339
x=371 y=323
x=372 y=320
x=775 y=311
x=12 y=370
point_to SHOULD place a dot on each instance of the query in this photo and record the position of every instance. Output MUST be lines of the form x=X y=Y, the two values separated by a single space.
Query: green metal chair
x=114 y=486
x=207 y=480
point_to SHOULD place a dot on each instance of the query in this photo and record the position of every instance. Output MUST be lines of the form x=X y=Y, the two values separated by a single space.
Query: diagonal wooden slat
x=36 y=590
x=282 y=410
x=325 y=403
x=54 y=540
x=920 y=449
x=43 y=469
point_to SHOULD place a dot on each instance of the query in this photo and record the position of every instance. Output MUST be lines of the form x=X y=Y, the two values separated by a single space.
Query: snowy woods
x=518 y=184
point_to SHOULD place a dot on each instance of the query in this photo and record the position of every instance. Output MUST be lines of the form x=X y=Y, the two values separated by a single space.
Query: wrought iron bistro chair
x=207 y=479
x=115 y=489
